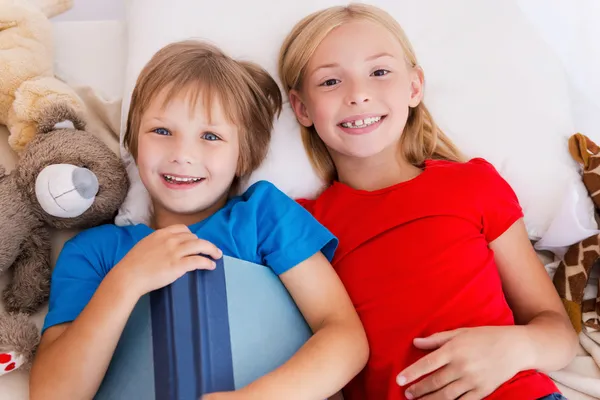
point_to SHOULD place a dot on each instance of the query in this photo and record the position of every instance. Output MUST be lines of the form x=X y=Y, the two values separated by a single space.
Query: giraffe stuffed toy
x=573 y=272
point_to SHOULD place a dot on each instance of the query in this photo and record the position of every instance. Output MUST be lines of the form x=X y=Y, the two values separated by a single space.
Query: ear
x=299 y=108
x=417 y=80
x=59 y=116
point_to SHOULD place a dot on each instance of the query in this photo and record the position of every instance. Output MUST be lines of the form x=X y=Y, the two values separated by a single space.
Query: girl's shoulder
x=473 y=164
x=475 y=168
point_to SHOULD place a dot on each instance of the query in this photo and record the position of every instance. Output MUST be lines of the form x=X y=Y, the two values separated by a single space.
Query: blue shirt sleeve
x=76 y=275
x=270 y=228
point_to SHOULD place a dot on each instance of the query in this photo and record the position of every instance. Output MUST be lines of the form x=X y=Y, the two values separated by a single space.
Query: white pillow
x=91 y=53
x=492 y=84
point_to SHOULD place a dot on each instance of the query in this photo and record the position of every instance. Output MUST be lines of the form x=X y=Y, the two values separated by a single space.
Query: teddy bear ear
x=59 y=116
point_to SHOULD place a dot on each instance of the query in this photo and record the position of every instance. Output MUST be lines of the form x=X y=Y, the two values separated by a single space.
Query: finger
x=436 y=340
x=192 y=263
x=450 y=392
x=433 y=383
x=177 y=228
x=174 y=241
x=426 y=365
x=183 y=236
x=197 y=246
x=472 y=395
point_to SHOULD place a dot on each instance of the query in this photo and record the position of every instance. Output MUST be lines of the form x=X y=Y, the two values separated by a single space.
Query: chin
x=188 y=209
x=364 y=152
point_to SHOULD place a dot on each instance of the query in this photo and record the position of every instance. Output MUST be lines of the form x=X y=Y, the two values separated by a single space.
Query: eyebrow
x=378 y=55
x=155 y=119
x=167 y=121
x=370 y=58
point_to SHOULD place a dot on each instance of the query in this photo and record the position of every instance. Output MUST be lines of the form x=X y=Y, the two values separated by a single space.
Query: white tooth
x=358 y=122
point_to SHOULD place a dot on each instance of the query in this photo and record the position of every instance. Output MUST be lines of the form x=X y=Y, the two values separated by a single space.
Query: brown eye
x=330 y=82
x=381 y=72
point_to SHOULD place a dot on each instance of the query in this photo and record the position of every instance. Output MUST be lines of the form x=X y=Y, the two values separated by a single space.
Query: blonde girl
x=433 y=250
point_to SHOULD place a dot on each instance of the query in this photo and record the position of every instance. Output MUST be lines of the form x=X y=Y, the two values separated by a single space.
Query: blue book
x=208 y=331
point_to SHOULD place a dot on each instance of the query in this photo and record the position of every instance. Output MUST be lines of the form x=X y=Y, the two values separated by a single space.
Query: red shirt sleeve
x=499 y=204
x=307 y=204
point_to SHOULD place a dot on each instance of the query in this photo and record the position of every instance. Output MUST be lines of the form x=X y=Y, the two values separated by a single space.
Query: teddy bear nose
x=85 y=182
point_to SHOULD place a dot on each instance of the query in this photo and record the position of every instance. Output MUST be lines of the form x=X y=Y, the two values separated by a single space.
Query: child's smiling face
x=357 y=89
x=187 y=157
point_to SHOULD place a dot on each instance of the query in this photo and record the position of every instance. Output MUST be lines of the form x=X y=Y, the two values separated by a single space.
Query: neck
x=164 y=217
x=376 y=172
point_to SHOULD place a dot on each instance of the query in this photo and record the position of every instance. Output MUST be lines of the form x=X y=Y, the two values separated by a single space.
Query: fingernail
x=400 y=380
x=214 y=265
x=408 y=395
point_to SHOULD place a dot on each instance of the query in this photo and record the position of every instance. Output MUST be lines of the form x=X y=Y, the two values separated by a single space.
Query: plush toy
x=573 y=272
x=64 y=178
x=27 y=82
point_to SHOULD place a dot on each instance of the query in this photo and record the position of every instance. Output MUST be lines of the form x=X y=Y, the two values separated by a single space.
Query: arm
x=336 y=352
x=544 y=340
x=535 y=303
x=83 y=349
x=543 y=337
x=92 y=336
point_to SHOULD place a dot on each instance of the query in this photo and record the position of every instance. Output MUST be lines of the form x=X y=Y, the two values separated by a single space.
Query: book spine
x=191 y=338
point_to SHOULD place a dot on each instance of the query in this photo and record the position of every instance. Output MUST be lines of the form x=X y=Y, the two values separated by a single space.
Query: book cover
x=208 y=331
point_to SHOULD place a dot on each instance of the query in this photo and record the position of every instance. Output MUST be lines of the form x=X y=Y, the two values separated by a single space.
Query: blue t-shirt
x=263 y=226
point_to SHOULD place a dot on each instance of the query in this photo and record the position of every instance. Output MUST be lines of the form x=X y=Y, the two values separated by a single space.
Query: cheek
x=324 y=114
x=319 y=106
x=398 y=92
x=147 y=155
x=233 y=160
x=224 y=160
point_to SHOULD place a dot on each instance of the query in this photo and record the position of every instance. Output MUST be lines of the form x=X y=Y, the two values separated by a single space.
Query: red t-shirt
x=415 y=260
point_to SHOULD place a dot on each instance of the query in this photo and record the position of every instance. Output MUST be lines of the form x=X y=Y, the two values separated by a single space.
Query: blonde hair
x=422 y=139
x=249 y=96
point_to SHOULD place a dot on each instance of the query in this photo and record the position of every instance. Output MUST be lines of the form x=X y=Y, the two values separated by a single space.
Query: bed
x=540 y=71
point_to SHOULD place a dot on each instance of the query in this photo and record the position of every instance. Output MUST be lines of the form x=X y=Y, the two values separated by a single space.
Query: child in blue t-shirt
x=199 y=124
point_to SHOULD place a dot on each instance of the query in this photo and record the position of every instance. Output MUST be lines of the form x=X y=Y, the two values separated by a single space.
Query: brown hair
x=422 y=138
x=249 y=96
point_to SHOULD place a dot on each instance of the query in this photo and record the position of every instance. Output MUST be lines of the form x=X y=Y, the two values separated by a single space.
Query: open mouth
x=361 y=123
x=181 y=180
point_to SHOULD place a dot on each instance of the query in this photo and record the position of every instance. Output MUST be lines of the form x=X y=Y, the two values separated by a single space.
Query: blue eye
x=381 y=72
x=330 y=82
x=210 y=136
x=161 y=131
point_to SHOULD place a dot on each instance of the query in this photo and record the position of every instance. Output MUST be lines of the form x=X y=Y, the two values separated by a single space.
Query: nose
x=85 y=182
x=181 y=151
x=357 y=93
